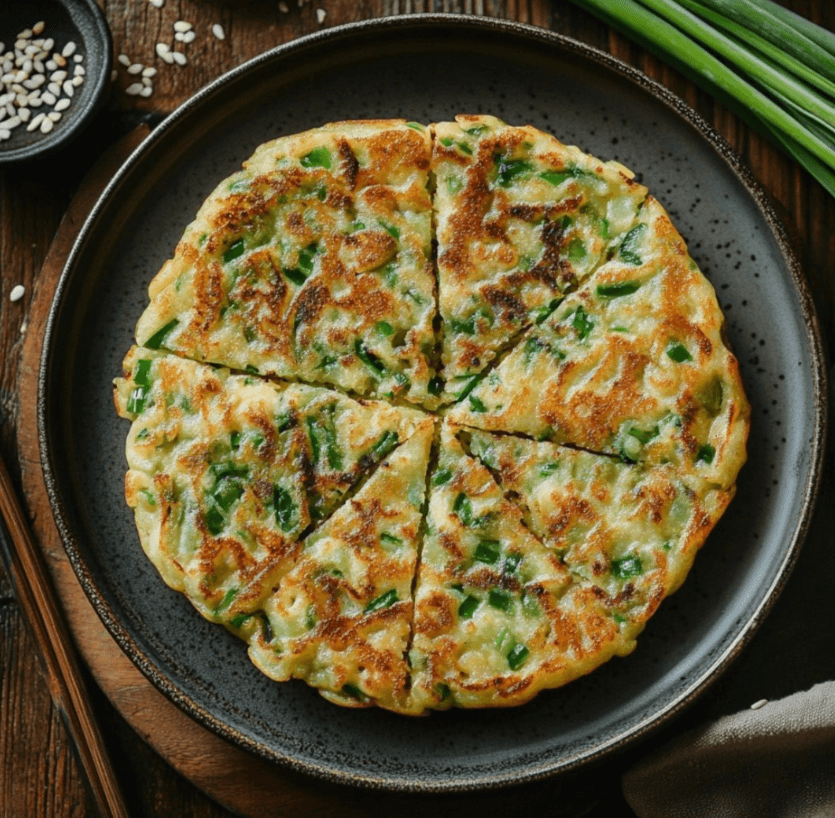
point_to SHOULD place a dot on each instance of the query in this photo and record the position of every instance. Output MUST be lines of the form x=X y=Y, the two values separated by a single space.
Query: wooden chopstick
x=34 y=592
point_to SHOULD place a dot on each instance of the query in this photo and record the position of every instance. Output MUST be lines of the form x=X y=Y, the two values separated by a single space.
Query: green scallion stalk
x=825 y=39
x=757 y=108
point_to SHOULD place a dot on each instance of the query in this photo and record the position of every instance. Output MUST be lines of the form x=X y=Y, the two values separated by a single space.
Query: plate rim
x=474 y=25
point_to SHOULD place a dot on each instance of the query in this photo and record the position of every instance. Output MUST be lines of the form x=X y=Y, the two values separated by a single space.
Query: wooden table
x=38 y=774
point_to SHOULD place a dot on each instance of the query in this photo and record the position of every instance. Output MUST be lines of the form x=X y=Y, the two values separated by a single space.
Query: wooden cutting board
x=245 y=784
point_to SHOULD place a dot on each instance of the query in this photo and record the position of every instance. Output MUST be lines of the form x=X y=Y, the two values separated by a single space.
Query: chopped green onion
x=548 y=468
x=576 y=250
x=388 y=440
x=582 y=323
x=416 y=125
x=617 y=290
x=511 y=564
x=627 y=567
x=386 y=600
x=384 y=328
x=156 y=340
x=353 y=692
x=227 y=600
x=393 y=231
x=235 y=250
x=235 y=440
x=488 y=552
x=138 y=399
x=285 y=508
x=500 y=600
x=295 y=275
x=317 y=158
x=142 y=375
x=467 y=608
x=441 y=476
x=377 y=367
x=517 y=655
x=678 y=352
x=390 y=538
x=463 y=508
x=436 y=385
x=509 y=169
x=476 y=404
x=705 y=454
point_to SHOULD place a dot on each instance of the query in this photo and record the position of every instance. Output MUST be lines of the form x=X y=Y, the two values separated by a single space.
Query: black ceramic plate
x=431 y=68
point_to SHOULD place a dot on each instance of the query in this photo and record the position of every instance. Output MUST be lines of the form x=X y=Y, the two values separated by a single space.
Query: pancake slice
x=486 y=589
x=312 y=263
x=632 y=364
x=340 y=618
x=627 y=533
x=521 y=220
x=227 y=472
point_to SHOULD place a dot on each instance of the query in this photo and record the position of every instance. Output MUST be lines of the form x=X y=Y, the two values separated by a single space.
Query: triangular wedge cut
x=227 y=471
x=521 y=219
x=632 y=364
x=627 y=533
x=340 y=618
x=486 y=596
x=313 y=263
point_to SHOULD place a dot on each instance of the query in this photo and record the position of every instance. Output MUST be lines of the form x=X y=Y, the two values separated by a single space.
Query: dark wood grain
x=38 y=775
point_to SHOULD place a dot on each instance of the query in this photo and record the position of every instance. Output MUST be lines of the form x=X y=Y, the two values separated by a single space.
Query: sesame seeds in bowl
x=54 y=68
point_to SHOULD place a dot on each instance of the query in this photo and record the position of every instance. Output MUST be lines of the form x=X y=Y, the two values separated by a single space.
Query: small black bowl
x=79 y=21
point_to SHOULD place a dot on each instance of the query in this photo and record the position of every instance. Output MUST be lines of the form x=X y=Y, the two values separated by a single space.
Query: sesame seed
x=60 y=61
x=114 y=75
x=54 y=88
x=36 y=121
x=134 y=90
x=38 y=27
x=58 y=76
x=149 y=72
x=147 y=81
x=69 y=88
x=47 y=125
x=180 y=38
x=189 y=37
x=62 y=104
x=51 y=65
x=23 y=113
x=146 y=91
x=54 y=116
x=17 y=292
x=124 y=59
x=76 y=81
x=48 y=44
x=135 y=68
x=168 y=57
x=182 y=25
x=179 y=57
x=4 y=134
x=49 y=98
x=759 y=704
x=11 y=122
x=157 y=3
x=217 y=30
x=68 y=50
x=162 y=49
x=283 y=8
x=25 y=34
x=35 y=100
x=79 y=71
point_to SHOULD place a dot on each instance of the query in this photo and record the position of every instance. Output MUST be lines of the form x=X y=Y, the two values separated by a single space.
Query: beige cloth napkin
x=775 y=761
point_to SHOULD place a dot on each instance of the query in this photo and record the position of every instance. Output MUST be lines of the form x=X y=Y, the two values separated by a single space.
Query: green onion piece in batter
x=138 y=399
x=416 y=125
x=517 y=655
x=705 y=454
x=511 y=564
x=627 y=567
x=617 y=290
x=377 y=367
x=390 y=538
x=317 y=158
x=582 y=323
x=142 y=375
x=463 y=508
x=295 y=275
x=471 y=382
x=576 y=250
x=441 y=476
x=500 y=600
x=388 y=440
x=476 y=404
x=227 y=600
x=467 y=608
x=393 y=231
x=157 y=339
x=315 y=445
x=628 y=247
x=436 y=385
x=488 y=552
x=384 y=328
x=235 y=250
x=678 y=352
x=509 y=169
x=285 y=508
x=385 y=601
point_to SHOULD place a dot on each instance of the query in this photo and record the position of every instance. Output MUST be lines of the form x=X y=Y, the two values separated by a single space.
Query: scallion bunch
x=774 y=69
